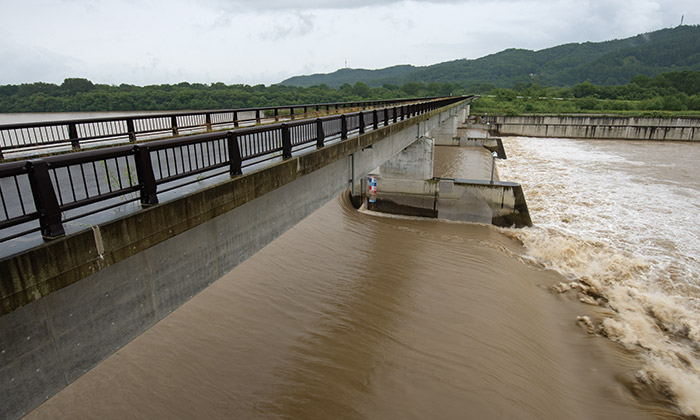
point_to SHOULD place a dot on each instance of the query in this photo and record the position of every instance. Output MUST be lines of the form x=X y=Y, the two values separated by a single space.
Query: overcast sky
x=266 y=41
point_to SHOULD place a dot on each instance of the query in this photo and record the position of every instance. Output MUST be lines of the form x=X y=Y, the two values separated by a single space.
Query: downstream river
x=593 y=313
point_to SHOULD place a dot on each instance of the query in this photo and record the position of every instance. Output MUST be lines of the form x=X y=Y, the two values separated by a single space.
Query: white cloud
x=234 y=41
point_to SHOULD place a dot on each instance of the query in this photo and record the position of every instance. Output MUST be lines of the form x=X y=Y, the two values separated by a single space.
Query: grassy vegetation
x=668 y=95
x=495 y=105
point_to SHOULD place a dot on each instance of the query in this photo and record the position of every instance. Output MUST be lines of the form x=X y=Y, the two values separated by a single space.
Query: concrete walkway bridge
x=99 y=245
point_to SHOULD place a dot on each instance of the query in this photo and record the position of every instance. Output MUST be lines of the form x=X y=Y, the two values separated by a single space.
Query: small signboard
x=372 y=194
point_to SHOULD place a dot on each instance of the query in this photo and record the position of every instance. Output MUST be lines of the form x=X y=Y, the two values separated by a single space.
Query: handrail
x=66 y=187
x=78 y=133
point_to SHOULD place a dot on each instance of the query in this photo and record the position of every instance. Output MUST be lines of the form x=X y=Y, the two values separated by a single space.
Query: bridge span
x=69 y=303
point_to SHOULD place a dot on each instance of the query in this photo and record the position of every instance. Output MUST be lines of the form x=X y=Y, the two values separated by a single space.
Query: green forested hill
x=604 y=63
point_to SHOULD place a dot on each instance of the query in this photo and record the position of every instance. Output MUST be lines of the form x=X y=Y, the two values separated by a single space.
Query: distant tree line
x=668 y=92
x=76 y=94
x=674 y=91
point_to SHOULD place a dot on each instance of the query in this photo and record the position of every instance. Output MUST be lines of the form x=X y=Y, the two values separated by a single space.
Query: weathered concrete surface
x=66 y=307
x=598 y=127
x=475 y=199
x=498 y=203
x=414 y=162
x=446 y=132
x=493 y=144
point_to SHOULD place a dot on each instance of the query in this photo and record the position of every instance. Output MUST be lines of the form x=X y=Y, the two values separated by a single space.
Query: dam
x=367 y=315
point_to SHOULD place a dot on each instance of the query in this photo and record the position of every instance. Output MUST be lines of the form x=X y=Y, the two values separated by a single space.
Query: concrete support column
x=464 y=114
x=413 y=162
x=405 y=185
x=446 y=133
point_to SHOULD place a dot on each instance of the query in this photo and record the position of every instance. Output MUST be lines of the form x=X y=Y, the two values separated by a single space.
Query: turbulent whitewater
x=620 y=220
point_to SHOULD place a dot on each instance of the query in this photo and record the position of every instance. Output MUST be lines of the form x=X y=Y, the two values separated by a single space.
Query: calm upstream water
x=592 y=313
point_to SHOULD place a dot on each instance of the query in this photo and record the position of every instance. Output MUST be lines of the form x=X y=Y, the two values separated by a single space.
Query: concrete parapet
x=598 y=127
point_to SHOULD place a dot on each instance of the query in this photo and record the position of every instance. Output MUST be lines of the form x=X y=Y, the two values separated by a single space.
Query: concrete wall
x=600 y=127
x=66 y=306
x=446 y=133
x=498 y=203
x=414 y=162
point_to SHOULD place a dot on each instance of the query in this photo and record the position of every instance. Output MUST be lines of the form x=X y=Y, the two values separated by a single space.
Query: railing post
x=130 y=129
x=286 y=142
x=147 y=180
x=207 y=121
x=235 y=118
x=45 y=200
x=73 y=136
x=362 y=122
x=343 y=127
x=386 y=116
x=291 y=112
x=257 y=116
x=375 y=119
x=173 y=124
x=320 y=135
x=234 y=154
x=277 y=114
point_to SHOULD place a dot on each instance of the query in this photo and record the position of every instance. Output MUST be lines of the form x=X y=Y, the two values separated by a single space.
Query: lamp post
x=494 y=155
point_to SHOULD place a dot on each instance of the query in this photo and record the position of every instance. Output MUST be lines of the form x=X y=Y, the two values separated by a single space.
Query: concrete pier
x=407 y=184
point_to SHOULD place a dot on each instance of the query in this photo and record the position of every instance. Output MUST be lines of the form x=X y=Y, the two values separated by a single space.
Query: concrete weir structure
x=71 y=302
x=406 y=184
x=596 y=127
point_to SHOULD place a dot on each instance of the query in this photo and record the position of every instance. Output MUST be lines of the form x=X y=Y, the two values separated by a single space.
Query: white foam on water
x=619 y=220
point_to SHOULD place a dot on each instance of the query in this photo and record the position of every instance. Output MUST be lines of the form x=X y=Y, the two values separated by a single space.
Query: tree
x=361 y=89
x=412 y=88
x=75 y=85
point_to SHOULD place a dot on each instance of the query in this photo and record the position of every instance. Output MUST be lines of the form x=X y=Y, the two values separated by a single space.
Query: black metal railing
x=81 y=133
x=61 y=188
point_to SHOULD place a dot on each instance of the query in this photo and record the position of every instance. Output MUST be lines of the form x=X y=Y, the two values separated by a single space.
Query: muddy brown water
x=353 y=315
